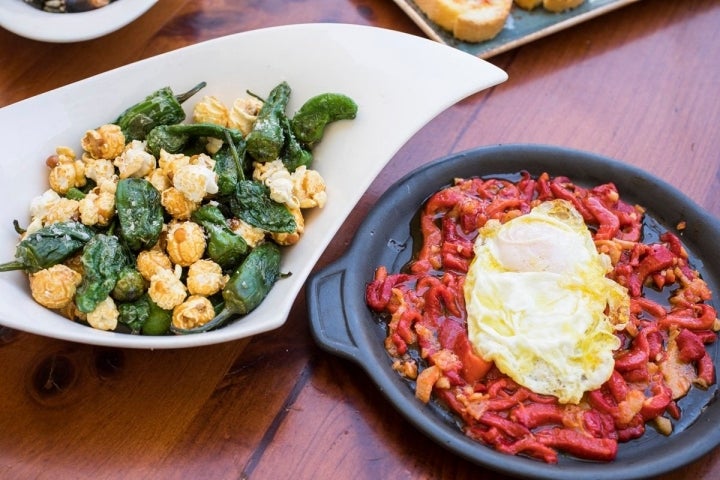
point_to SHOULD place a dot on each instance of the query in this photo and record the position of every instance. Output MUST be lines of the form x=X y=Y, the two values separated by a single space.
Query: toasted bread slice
x=468 y=20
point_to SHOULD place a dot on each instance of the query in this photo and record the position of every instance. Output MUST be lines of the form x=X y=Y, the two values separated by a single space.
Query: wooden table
x=639 y=84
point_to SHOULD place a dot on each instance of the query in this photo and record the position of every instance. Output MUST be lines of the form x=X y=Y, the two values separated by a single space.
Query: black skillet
x=342 y=324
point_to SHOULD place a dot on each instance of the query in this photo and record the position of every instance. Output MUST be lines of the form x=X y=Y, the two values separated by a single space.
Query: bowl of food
x=467 y=296
x=393 y=84
x=76 y=21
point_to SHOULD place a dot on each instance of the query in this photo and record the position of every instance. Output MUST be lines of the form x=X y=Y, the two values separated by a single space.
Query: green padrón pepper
x=144 y=316
x=226 y=171
x=310 y=121
x=103 y=259
x=224 y=246
x=49 y=246
x=130 y=285
x=161 y=107
x=140 y=213
x=247 y=287
x=294 y=154
x=266 y=139
x=252 y=204
x=175 y=138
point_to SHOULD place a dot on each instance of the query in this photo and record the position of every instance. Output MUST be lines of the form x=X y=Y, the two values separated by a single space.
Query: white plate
x=399 y=81
x=29 y=22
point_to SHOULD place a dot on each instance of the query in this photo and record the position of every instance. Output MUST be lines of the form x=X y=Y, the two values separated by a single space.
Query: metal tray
x=520 y=28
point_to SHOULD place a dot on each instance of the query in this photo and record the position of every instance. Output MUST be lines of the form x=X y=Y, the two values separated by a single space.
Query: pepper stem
x=10 y=266
x=181 y=97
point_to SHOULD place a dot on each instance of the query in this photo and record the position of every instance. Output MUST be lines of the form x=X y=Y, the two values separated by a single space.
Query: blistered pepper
x=224 y=247
x=247 y=287
x=140 y=213
x=49 y=246
x=310 y=121
x=145 y=317
x=103 y=259
x=252 y=204
x=175 y=138
x=294 y=154
x=161 y=107
x=266 y=139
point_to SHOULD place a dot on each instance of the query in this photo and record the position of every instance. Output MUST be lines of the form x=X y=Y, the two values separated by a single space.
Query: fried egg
x=539 y=303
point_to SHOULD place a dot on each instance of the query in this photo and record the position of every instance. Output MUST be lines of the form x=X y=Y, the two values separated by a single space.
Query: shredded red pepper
x=663 y=350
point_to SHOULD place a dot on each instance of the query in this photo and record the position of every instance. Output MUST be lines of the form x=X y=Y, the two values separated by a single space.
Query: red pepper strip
x=635 y=429
x=404 y=326
x=655 y=346
x=429 y=255
x=630 y=222
x=531 y=447
x=608 y=222
x=601 y=402
x=643 y=304
x=599 y=424
x=690 y=346
x=379 y=292
x=655 y=406
x=707 y=336
x=533 y=415
x=543 y=187
x=505 y=426
x=506 y=402
x=452 y=335
x=674 y=410
x=705 y=371
x=617 y=386
x=561 y=192
x=579 y=444
x=699 y=317
x=399 y=343
x=526 y=187
x=433 y=305
x=498 y=208
x=638 y=356
x=658 y=258
x=674 y=244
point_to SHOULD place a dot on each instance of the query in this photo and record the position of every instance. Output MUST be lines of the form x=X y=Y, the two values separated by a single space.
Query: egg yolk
x=540 y=305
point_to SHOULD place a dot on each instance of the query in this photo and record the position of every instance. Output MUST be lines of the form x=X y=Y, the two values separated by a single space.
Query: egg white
x=539 y=303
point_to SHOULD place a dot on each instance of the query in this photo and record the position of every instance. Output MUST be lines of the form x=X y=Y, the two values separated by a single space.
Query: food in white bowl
x=398 y=81
x=162 y=225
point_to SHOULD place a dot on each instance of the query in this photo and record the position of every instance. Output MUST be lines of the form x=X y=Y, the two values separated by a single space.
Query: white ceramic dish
x=399 y=81
x=29 y=22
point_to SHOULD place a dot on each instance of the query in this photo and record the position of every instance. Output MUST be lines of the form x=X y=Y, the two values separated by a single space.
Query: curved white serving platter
x=399 y=81
x=29 y=22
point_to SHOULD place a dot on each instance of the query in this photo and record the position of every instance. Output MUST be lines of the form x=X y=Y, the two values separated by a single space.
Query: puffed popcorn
x=135 y=161
x=194 y=312
x=210 y=110
x=105 y=316
x=166 y=289
x=185 y=243
x=205 y=277
x=54 y=287
x=107 y=141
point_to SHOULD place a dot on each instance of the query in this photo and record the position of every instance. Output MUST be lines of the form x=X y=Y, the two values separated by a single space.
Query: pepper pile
x=169 y=227
x=663 y=345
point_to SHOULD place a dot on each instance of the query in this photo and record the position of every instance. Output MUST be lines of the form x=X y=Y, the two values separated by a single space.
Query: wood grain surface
x=639 y=84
